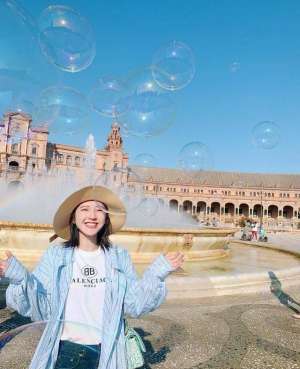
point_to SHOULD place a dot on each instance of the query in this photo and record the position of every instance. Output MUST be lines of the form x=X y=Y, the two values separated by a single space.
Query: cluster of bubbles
x=62 y=39
x=142 y=102
x=33 y=52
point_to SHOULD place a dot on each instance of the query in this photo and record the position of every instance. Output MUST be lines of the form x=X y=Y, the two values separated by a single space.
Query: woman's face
x=90 y=217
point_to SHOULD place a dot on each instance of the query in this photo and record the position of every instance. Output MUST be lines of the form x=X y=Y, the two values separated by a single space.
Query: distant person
x=85 y=280
x=262 y=234
x=254 y=231
x=214 y=222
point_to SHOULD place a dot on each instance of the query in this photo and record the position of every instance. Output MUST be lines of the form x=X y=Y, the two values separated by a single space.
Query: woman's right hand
x=4 y=263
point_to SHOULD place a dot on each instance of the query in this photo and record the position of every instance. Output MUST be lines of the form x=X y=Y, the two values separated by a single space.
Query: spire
x=114 y=140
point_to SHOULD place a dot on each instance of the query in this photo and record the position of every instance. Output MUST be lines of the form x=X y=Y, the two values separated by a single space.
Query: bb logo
x=89 y=271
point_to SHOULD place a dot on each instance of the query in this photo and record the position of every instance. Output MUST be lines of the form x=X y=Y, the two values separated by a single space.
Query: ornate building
x=272 y=198
x=34 y=154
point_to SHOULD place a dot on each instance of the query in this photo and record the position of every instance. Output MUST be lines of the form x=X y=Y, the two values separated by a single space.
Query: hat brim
x=116 y=209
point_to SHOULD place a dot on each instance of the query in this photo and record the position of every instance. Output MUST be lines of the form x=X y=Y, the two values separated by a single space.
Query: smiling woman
x=86 y=280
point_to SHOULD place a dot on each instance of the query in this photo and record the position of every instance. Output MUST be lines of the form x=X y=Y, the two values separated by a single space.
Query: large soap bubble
x=144 y=159
x=149 y=206
x=109 y=97
x=173 y=66
x=19 y=345
x=266 y=135
x=151 y=111
x=66 y=38
x=63 y=109
x=195 y=156
x=126 y=183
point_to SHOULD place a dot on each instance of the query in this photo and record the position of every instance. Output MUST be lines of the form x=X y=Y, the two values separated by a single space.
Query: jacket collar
x=68 y=256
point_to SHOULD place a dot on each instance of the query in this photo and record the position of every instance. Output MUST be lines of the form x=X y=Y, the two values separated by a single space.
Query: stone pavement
x=228 y=332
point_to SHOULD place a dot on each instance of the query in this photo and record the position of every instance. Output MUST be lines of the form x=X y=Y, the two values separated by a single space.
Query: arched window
x=34 y=150
x=60 y=158
x=77 y=160
x=69 y=160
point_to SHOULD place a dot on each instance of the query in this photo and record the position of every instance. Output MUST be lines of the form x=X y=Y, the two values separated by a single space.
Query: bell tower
x=114 y=140
x=113 y=155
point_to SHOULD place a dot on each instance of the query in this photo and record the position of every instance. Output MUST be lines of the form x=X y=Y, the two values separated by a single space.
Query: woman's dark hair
x=102 y=236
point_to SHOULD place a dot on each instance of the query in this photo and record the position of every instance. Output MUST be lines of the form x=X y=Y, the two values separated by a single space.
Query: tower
x=114 y=140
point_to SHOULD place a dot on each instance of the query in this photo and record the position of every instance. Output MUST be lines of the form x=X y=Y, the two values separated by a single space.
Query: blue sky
x=219 y=107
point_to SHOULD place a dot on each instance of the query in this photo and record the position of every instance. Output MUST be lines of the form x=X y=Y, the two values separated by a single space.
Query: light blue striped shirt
x=41 y=295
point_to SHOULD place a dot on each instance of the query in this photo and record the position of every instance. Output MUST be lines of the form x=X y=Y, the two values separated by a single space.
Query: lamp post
x=261 y=205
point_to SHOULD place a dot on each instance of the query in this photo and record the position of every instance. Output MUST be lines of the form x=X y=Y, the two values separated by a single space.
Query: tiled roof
x=217 y=179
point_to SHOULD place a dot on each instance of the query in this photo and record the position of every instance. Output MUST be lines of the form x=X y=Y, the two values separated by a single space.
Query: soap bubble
x=266 y=135
x=173 y=66
x=63 y=109
x=234 y=67
x=145 y=160
x=66 y=38
x=194 y=156
x=126 y=183
x=22 y=103
x=150 y=110
x=149 y=206
x=27 y=337
x=109 y=97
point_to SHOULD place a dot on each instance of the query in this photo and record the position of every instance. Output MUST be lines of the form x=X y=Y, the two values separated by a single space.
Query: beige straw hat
x=116 y=209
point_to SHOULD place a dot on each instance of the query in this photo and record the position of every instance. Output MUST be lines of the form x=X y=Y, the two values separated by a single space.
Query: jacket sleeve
x=147 y=293
x=29 y=293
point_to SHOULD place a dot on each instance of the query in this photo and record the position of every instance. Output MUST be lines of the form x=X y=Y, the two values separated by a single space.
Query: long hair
x=102 y=238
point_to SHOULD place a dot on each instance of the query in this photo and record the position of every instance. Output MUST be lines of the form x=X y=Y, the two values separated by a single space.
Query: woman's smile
x=90 y=217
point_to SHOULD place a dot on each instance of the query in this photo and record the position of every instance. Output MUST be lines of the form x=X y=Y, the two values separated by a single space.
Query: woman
x=88 y=281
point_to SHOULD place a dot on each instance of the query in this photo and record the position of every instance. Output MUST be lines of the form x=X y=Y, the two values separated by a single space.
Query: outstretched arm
x=28 y=293
x=147 y=293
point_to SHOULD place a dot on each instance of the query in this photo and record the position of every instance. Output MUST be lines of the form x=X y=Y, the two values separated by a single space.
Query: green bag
x=134 y=348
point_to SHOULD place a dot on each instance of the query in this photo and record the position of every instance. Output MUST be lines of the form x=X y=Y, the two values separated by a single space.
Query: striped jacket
x=41 y=295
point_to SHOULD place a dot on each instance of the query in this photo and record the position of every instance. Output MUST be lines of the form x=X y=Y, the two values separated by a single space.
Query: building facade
x=225 y=196
x=32 y=153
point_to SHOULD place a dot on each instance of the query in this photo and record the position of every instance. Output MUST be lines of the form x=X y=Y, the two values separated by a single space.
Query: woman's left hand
x=176 y=259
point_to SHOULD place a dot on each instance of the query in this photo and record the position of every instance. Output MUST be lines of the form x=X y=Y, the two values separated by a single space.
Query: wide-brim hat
x=62 y=217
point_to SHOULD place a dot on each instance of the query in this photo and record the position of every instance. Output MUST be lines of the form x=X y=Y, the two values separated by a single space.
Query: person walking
x=254 y=231
x=83 y=287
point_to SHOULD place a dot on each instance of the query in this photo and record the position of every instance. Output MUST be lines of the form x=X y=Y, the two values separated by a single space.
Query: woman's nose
x=93 y=214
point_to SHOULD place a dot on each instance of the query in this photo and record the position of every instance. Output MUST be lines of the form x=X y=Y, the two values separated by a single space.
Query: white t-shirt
x=85 y=300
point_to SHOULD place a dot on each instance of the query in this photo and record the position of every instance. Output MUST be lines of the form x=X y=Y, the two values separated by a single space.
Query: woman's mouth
x=91 y=225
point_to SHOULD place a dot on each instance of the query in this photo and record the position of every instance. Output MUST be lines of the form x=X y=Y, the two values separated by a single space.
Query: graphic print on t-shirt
x=89 y=277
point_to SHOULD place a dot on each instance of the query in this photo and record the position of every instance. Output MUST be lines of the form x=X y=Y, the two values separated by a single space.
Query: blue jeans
x=75 y=356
